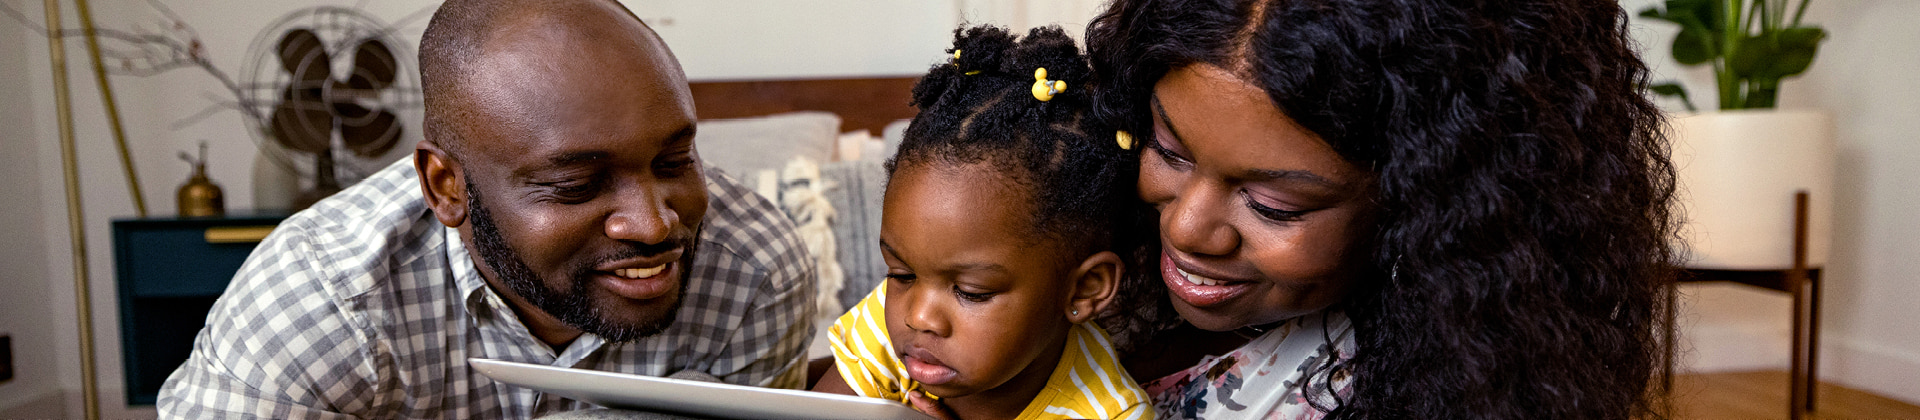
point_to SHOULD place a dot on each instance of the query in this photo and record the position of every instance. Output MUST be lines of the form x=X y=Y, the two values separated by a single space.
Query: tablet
x=695 y=398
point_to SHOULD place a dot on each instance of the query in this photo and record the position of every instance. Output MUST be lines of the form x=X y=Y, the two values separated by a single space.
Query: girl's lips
x=1199 y=291
x=923 y=367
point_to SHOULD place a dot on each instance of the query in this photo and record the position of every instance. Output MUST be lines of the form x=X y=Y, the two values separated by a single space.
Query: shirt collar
x=477 y=295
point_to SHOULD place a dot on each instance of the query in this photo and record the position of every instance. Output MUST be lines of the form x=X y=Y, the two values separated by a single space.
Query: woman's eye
x=971 y=297
x=1271 y=213
x=1165 y=153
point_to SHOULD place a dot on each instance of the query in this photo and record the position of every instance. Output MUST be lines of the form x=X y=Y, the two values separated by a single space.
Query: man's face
x=585 y=195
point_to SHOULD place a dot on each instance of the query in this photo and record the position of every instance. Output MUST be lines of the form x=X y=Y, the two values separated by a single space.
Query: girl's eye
x=971 y=297
x=902 y=278
x=1271 y=213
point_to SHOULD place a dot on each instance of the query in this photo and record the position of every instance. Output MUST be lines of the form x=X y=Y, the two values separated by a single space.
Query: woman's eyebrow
x=1260 y=174
x=1161 y=112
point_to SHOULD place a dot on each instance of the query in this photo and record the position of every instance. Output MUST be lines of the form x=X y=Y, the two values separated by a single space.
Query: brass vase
x=200 y=197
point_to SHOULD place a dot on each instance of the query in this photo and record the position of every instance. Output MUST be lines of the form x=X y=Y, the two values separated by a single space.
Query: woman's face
x=1257 y=214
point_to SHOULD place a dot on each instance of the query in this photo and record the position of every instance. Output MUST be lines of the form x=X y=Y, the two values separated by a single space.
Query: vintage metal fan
x=331 y=89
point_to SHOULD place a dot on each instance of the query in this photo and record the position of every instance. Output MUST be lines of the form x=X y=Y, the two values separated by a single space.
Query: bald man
x=556 y=213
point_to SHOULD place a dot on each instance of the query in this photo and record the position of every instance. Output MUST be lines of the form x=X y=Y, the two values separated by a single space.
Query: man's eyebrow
x=573 y=158
x=685 y=135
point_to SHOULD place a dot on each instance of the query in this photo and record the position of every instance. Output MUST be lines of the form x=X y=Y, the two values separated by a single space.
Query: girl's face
x=1257 y=214
x=973 y=306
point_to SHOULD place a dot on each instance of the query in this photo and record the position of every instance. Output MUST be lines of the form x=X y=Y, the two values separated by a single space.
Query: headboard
x=868 y=103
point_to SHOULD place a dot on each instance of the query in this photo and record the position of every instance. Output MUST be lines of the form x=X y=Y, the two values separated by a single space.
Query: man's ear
x=1094 y=284
x=443 y=182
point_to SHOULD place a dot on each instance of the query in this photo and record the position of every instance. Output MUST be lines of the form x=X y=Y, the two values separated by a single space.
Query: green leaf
x=1672 y=89
x=1776 y=54
x=1692 y=46
x=1702 y=11
x=1750 y=54
x=1794 y=51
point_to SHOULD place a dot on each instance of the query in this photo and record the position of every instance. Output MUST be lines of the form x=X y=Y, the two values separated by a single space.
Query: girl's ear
x=1094 y=285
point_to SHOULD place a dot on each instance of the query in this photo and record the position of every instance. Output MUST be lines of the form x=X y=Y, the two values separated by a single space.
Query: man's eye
x=573 y=191
x=676 y=164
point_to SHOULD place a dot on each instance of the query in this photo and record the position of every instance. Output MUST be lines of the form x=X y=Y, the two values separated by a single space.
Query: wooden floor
x=1763 y=395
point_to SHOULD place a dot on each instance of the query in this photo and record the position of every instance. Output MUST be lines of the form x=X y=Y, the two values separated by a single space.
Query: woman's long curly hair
x=1520 y=266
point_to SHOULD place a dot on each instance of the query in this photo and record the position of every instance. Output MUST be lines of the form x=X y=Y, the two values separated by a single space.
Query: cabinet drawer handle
x=237 y=234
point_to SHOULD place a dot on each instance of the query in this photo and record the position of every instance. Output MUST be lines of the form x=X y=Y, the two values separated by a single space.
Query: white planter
x=1738 y=173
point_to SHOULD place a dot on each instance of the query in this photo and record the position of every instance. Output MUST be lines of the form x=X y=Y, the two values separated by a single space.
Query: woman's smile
x=1200 y=290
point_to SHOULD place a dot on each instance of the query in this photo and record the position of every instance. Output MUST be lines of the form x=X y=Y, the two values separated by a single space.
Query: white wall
x=1863 y=76
x=749 y=39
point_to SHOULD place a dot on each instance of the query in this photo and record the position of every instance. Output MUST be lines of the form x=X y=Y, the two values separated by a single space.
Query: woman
x=1393 y=208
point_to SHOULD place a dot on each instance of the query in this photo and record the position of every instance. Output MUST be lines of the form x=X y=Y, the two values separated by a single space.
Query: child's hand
x=929 y=406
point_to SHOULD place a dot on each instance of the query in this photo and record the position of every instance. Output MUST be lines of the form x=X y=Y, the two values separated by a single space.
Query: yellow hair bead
x=956 y=54
x=1042 y=89
x=1125 y=139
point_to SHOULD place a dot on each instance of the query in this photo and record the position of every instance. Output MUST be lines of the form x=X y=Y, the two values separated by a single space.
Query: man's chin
x=618 y=319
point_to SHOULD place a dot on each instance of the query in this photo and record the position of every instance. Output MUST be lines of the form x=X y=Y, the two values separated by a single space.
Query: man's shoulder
x=749 y=227
x=358 y=238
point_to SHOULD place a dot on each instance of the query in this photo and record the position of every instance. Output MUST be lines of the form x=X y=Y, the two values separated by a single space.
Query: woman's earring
x=1076 y=312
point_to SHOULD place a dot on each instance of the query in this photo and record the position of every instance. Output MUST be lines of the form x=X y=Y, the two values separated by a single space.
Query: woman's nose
x=1195 y=221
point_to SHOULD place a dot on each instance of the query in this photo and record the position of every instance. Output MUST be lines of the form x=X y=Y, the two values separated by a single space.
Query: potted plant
x=1740 y=166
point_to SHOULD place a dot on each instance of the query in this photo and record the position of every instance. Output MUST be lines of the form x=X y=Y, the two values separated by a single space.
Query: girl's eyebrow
x=969 y=266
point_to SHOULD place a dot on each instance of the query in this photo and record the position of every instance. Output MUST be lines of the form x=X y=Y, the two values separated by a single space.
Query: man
x=556 y=213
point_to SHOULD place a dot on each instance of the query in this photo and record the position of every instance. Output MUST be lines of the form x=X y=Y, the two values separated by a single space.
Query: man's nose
x=641 y=215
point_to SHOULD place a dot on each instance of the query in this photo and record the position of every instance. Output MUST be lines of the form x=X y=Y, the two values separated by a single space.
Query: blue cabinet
x=169 y=272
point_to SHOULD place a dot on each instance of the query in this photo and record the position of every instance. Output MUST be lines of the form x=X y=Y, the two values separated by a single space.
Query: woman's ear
x=1094 y=284
x=443 y=183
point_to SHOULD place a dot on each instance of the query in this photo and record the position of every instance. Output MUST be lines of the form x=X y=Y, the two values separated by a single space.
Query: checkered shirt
x=365 y=306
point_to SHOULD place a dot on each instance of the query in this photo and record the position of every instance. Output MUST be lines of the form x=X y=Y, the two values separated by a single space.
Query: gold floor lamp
x=69 y=159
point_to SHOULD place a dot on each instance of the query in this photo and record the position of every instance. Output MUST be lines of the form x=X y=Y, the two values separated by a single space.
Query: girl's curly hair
x=1520 y=266
x=980 y=108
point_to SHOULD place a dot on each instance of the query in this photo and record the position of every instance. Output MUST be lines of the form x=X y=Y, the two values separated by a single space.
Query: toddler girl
x=1003 y=211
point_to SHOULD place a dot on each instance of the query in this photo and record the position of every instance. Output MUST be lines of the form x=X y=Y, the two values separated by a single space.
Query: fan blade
x=304 y=57
x=373 y=66
x=371 y=135
x=302 y=122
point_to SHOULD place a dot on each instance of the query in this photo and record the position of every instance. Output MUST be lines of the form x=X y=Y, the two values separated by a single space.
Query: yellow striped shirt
x=1087 y=384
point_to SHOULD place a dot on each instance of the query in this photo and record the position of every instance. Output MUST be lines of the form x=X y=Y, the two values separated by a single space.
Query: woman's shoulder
x=1290 y=369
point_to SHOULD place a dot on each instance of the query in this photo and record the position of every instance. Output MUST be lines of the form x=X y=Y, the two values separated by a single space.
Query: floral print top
x=1263 y=379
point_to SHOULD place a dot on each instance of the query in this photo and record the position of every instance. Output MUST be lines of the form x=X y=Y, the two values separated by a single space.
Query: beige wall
x=24 y=279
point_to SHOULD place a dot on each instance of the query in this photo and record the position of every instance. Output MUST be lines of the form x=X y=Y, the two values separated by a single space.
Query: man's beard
x=574 y=306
